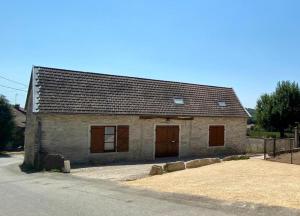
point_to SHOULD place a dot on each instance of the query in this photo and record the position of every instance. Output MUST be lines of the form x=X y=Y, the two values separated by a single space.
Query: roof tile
x=65 y=91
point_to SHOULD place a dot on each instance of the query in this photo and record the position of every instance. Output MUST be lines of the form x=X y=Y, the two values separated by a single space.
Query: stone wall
x=70 y=135
x=256 y=145
x=31 y=133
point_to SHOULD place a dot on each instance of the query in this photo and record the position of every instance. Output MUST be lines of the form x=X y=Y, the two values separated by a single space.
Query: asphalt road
x=55 y=194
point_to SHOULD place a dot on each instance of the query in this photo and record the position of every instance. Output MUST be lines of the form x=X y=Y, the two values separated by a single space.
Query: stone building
x=91 y=117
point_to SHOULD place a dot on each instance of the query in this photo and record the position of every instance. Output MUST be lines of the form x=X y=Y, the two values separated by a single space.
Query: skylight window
x=178 y=101
x=222 y=103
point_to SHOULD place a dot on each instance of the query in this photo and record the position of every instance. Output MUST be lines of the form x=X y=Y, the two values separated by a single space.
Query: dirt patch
x=286 y=158
x=254 y=180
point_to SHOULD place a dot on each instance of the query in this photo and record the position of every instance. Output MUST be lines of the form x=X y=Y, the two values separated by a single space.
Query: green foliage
x=280 y=109
x=7 y=124
x=244 y=157
x=18 y=138
x=236 y=157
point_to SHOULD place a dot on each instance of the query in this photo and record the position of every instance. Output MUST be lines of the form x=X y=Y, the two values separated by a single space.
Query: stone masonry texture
x=69 y=135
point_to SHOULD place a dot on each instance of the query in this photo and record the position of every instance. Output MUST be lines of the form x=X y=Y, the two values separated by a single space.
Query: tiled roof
x=66 y=91
x=20 y=116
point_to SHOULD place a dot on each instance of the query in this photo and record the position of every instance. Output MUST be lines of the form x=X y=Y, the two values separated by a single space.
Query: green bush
x=7 y=123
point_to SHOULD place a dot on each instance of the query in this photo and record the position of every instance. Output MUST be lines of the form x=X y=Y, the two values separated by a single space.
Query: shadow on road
x=28 y=169
x=118 y=163
x=4 y=155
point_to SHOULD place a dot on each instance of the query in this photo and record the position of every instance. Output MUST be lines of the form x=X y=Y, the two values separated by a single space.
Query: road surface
x=55 y=194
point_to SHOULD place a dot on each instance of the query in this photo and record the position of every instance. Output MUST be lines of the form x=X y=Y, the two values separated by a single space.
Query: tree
x=280 y=109
x=7 y=124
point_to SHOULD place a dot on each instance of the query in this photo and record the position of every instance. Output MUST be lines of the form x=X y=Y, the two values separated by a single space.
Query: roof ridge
x=131 y=77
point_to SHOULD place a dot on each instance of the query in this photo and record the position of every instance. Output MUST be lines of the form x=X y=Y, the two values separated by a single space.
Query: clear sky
x=245 y=44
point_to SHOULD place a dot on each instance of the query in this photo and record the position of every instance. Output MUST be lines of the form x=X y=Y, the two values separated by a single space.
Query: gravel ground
x=254 y=181
x=115 y=172
x=124 y=171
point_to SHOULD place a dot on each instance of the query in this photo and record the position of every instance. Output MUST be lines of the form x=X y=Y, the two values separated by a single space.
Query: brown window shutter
x=216 y=135
x=123 y=138
x=221 y=135
x=212 y=136
x=97 y=139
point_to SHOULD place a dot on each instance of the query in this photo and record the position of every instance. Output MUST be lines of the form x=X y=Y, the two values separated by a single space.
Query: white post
x=67 y=166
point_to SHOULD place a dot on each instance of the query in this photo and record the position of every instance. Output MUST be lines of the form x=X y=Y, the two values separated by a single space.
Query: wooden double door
x=167 y=141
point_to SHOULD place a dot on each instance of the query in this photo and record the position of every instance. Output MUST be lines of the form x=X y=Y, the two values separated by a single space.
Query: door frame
x=179 y=137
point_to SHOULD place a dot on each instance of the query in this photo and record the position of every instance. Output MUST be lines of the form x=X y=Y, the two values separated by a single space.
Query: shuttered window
x=216 y=135
x=123 y=138
x=109 y=139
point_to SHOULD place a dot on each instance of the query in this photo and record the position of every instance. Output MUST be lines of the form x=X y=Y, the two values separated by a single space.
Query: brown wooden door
x=216 y=135
x=167 y=141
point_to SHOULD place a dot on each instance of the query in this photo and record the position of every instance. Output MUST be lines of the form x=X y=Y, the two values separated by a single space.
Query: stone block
x=201 y=162
x=174 y=166
x=53 y=162
x=67 y=167
x=156 y=170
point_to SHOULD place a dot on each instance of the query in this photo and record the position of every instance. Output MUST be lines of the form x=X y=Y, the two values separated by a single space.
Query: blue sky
x=245 y=44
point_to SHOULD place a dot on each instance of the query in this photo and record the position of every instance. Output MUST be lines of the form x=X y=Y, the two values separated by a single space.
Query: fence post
x=265 y=148
x=291 y=149
x=296 y=144
x=274 y=147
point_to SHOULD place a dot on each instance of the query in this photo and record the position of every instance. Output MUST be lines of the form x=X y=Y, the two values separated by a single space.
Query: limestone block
x=174 y=166
x=156 y=170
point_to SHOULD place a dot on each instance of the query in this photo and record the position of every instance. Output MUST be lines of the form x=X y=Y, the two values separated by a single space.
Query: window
x=222 y=103
x=109 y=139
x=178 y=101
x=216 y=135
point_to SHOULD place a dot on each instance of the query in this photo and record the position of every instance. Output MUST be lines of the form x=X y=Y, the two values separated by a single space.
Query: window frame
x=222 y=104
x=115 y=137
x=115 y=126
x=178 y=101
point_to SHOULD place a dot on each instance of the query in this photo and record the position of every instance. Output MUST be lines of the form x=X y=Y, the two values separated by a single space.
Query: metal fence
x=273 y=148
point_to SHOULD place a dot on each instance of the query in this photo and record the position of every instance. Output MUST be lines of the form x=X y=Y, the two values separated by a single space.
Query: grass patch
x=244 y=157
x=236 y=157
x=241 y=157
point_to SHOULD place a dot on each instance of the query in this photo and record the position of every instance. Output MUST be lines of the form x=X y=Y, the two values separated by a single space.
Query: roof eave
x=238 y=99
x=28 y=91
x=142 y=114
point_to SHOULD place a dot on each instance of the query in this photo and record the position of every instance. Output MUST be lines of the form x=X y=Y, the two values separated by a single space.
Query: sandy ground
x=254 y=180
x=286 y=158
